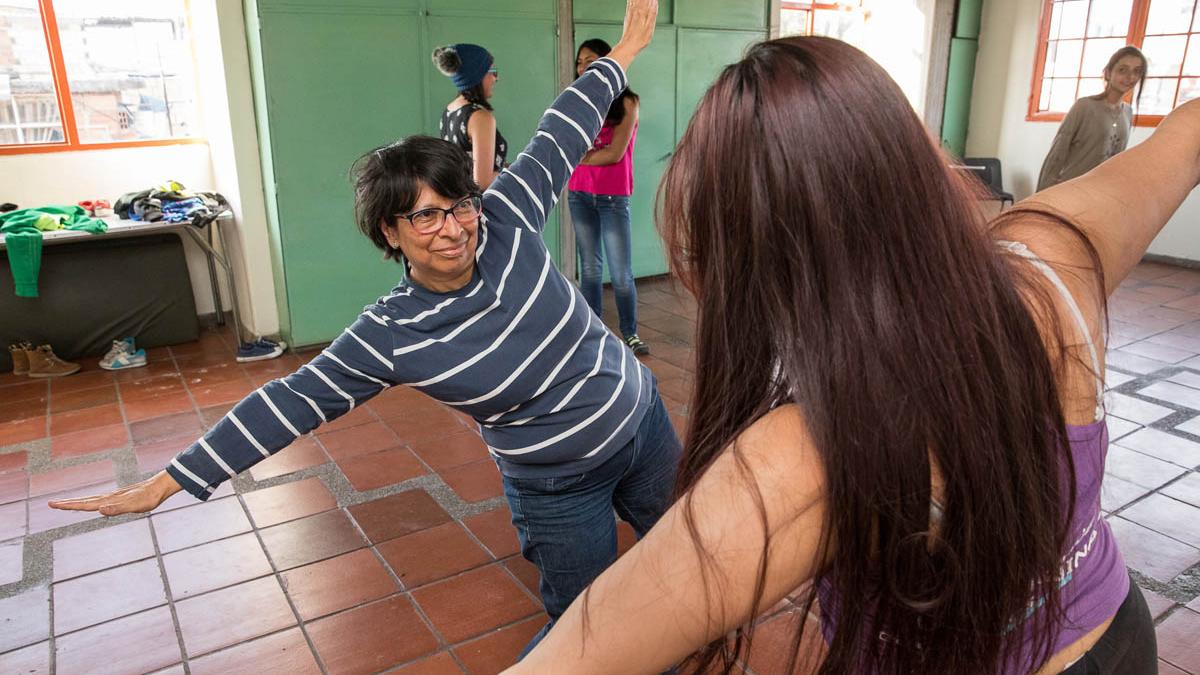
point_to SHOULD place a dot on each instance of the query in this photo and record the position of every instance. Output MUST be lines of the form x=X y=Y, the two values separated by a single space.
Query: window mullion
x=1187 y=47
x=1039 y=62
x=1137 y=22
x=1087 y=20
x=58 y=69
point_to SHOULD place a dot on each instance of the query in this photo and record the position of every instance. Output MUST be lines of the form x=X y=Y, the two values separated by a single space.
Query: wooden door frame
x=939 y=63
x=567 y=261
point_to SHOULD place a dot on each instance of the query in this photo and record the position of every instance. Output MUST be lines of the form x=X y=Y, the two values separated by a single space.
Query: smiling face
x=442 y=260
x=583 y=60
x=1125 y=74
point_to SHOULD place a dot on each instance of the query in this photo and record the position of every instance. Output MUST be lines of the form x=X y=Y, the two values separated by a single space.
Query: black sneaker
x=635 y=343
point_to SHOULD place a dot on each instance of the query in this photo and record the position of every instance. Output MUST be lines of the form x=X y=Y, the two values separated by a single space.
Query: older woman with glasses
x=484 y=323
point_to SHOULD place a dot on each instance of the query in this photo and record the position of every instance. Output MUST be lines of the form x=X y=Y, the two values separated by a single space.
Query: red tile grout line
x=49 y=404
x=443 y=643
x=498 y=560
x=275 y=572
x=162 y=572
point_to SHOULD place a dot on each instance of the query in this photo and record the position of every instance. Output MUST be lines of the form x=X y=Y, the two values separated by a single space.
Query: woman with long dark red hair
x=897 y=406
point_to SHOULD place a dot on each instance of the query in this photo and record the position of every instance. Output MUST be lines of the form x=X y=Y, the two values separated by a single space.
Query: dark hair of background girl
x=807 y=202
x=616 y=111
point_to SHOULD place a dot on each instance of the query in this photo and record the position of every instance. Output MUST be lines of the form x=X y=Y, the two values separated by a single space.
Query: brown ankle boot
x=20 y=359
x=44 y=363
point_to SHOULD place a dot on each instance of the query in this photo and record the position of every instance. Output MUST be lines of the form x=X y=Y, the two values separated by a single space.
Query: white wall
x=1003 y=79
x=69 y=177
x=227 y=163
x=228 y=114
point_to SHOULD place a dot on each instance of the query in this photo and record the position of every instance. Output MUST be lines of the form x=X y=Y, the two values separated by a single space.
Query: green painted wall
x=336 y=78
x=960 y=75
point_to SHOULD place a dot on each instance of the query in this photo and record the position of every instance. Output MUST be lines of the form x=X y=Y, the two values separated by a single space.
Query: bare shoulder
x=483 y=116
x=780 y=454
x=784 y=425
x=481 y=120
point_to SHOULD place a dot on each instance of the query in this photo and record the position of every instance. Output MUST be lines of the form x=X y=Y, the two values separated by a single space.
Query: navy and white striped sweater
x=554 y=391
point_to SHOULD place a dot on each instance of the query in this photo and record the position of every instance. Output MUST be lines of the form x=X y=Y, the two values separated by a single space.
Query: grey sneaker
x=635 y=343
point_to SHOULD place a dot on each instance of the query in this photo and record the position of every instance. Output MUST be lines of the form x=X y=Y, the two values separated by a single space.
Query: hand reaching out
x=137 y=498
x=640 y=16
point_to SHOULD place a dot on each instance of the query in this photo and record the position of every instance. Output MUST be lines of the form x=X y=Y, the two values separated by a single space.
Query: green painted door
x=723 y=14
x=653 y=78
x=337 y=85
x=337 y=80
x=702 y=55
x=524 y=49
x=611 y=11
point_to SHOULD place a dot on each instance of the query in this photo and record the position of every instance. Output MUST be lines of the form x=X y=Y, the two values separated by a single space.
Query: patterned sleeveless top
x=453 y=128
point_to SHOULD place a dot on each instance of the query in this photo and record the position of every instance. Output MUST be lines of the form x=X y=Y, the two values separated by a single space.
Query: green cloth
x=22 y=230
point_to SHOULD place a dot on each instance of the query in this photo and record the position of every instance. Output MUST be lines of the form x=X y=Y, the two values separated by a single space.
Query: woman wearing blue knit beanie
x=468 y=121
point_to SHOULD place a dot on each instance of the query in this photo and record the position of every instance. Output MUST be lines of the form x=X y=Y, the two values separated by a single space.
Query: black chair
x=987 y=169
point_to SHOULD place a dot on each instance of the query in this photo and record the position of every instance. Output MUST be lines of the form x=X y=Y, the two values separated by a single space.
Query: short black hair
x=388 y=180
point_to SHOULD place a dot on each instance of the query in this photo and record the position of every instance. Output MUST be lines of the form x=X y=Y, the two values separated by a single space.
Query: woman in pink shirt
x=599 y=201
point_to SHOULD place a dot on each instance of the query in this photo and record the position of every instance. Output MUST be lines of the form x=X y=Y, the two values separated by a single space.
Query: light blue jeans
x=604 y=219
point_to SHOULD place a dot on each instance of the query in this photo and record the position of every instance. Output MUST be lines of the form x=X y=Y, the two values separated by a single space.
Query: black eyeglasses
x=428 y=221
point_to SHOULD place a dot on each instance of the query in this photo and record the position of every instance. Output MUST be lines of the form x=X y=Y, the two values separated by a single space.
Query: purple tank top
x=1094 y=581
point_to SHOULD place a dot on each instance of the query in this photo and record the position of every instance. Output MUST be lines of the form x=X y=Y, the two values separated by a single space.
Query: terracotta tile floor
x=375 y=544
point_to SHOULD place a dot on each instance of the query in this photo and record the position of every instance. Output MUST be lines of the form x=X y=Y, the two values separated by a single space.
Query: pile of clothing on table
x=22 y=230
x=172 y=203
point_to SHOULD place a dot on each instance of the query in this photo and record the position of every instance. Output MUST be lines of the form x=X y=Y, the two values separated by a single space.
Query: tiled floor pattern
x=382 y=542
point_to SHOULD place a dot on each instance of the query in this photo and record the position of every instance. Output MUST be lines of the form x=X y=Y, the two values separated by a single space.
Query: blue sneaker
x=122 y=355
x=259 y=350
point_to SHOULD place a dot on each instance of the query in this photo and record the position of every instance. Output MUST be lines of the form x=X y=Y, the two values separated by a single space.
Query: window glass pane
x=837 y=23
x=1044 y=98
x=1169 y=16
x=1056 y=11
x=1090 y=86
x=1096 y=54
x=1063 y=58
x=130 y=68
x=1157 y=96
x=1074 y=19
x=1164 y=54
x=1189 y=88
x=1062 y=95
x=28 y=105
x=1191 y=66
x=1109 y=18
x=793 y=21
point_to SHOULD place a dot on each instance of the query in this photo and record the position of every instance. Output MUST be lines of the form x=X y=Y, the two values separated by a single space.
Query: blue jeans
x=597 y=219
x=566 y=524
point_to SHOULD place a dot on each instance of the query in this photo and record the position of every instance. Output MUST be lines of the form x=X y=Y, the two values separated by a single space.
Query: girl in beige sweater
x=1097 y=127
